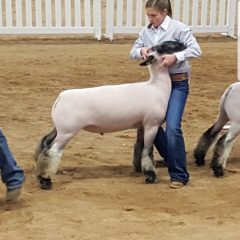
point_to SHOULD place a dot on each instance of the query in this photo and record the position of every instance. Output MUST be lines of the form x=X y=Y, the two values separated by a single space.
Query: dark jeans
x=170 y=142
x=12 y=175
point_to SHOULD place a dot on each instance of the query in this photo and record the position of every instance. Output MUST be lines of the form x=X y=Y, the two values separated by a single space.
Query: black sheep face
x=167 y=47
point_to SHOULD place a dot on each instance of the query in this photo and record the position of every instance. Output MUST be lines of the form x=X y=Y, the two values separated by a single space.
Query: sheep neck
x=159 y=76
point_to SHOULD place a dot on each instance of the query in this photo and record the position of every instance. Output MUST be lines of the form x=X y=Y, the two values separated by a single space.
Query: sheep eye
x=153 y=49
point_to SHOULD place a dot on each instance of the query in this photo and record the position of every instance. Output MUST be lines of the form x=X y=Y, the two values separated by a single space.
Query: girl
x=170 y=142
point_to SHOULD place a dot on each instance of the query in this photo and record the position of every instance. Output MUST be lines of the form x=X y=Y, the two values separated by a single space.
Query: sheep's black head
x=167 y=47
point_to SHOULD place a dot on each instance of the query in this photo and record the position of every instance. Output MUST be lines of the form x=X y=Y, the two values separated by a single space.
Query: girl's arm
x=135 y=52
x=193 y=49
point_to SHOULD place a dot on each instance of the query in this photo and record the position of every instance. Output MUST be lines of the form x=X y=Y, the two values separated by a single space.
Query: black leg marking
x=204 y=143
x=150 y=177
x=138 y=149
x=218 y=171
x=137 y=156
x=200 y=158
x=45 y=183
x=218 y=152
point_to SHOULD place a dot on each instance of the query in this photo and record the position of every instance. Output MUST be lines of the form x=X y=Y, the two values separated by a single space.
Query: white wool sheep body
x=228 y=111
x=108 y=109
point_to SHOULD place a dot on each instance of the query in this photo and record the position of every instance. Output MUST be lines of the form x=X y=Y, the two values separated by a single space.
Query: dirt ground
x=96 y=194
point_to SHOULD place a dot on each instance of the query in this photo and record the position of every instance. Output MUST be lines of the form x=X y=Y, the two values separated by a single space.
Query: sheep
x=107 y=109
x=228 y=111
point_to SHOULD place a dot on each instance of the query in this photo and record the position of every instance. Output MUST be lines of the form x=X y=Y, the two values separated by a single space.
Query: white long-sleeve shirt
x=169 y=30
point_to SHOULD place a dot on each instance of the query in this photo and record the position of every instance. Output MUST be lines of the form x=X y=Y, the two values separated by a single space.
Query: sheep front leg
x=148 y=166
x=138 y=149
x=147 y=162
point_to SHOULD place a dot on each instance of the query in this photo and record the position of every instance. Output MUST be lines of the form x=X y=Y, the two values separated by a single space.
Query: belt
x=179 y=76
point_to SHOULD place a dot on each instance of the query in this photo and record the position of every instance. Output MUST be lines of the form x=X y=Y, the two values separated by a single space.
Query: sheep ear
x=150 y=59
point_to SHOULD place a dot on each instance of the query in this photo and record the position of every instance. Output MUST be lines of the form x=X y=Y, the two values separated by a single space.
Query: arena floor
x=96 y=195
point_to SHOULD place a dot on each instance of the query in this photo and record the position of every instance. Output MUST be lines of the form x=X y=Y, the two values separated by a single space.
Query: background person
x=12 y=175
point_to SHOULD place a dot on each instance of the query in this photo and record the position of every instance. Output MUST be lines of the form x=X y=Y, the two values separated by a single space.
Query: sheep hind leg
x=49 y=159
x=205 y=142
x=41 y=156
x=46 y=166
x=223 y=149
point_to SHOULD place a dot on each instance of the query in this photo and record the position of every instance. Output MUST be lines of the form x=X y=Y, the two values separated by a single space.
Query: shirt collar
x=164 y=24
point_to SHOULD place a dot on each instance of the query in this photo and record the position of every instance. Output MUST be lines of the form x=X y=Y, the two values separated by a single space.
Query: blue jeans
x=12 y=175
x=170 y=143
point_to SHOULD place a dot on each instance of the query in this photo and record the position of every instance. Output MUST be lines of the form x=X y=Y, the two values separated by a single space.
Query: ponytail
x=169 y=10
x=160 y=5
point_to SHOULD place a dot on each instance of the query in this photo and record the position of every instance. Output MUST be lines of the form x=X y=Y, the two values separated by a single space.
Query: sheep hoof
x=45 y=183
x=150 y=177
x=199 y=156
x=218 y=171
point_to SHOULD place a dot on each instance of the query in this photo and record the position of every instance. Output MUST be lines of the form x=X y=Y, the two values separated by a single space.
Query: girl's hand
x=168 y=60
x=144 y=52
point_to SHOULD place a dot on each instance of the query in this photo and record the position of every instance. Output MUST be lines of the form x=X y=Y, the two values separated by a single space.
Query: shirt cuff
x=180 y=56
x=139 y=53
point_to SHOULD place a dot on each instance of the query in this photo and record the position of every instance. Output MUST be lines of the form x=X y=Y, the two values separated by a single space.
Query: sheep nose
x=150 y=59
